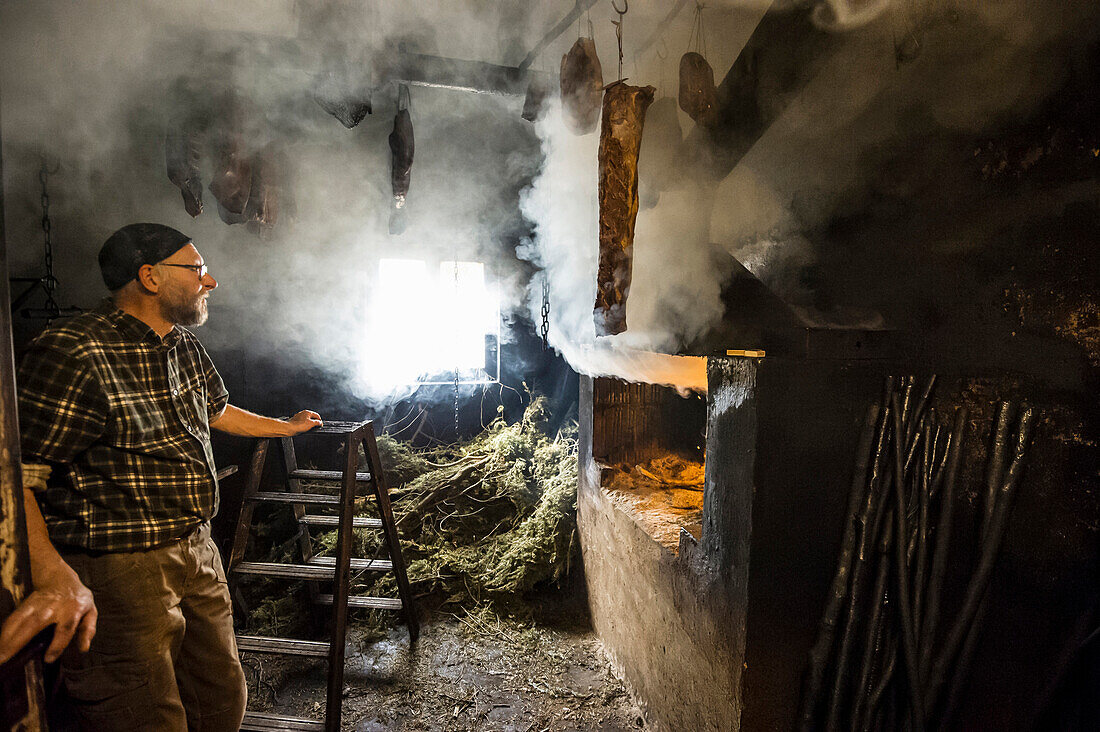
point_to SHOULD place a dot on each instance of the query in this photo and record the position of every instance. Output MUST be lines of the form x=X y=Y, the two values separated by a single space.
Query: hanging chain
x=545 y=313
x=49 y=281
x=697 y=31
x=619 y=30
x=456 y=364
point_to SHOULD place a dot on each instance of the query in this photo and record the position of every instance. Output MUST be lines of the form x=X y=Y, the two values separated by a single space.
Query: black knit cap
x=126 y=250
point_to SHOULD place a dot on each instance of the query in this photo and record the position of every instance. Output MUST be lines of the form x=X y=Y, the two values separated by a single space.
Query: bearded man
x=119 y=403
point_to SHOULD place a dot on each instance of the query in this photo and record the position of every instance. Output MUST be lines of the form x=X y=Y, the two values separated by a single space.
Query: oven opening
x=649 y=442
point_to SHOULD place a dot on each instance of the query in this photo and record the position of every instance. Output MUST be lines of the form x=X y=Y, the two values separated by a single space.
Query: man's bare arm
x=58 y=597
x=237 y=421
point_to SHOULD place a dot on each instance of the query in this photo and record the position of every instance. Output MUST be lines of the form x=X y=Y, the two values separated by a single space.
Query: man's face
x=183 y=293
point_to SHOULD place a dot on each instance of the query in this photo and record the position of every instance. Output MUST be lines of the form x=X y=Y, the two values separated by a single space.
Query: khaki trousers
x=164 y=656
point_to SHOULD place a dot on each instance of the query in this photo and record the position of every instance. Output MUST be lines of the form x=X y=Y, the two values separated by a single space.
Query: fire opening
x=649 y=442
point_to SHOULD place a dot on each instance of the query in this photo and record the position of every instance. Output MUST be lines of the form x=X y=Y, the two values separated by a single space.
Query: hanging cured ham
x=581 y=86
x=698 y=95
x=624 y=110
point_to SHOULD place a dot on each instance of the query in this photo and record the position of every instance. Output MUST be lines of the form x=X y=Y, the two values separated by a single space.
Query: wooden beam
x=552 y=35
x=23 y=703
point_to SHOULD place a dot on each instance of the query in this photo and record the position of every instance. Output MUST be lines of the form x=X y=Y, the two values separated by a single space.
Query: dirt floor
x=468 y=671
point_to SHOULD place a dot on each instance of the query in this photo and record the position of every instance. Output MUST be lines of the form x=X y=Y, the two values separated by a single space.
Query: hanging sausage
x=624 y=110
x=581 y=86
x=402 y=148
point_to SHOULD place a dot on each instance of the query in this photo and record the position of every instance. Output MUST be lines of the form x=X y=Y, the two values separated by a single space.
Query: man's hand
x=59 y=598
x=303 y=421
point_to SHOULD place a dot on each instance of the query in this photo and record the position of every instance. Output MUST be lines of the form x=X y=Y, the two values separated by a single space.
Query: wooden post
x=23 y=706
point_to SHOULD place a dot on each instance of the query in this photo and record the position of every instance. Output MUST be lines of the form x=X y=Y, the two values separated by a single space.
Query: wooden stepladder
x=317 y=570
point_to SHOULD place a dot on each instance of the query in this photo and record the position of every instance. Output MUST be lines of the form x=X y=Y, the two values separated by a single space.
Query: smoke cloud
x=95 y=85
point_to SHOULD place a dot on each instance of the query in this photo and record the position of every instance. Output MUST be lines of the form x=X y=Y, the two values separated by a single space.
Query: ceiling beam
x=438 y=72
x=557 y=30
x=785 y=52
x=661 y=28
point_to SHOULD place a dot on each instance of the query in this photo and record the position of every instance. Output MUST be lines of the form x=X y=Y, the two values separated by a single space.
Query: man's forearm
x=45 y=561
x=59 y=597
x=241 y=422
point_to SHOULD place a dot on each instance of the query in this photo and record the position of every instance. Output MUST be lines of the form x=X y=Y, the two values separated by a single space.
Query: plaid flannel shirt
x=125 y=415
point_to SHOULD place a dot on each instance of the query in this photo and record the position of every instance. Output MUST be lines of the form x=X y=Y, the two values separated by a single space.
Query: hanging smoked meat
x=624 y=110
x=535 y=99
x=663 y=142
x=345 y=100
x=182 y=150
x=698 y=95
x=261 y=213
x=401 y=149
x=581 y=86
x=232 y=180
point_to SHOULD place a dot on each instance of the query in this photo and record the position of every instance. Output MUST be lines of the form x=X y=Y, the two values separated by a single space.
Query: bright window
x=429 y=321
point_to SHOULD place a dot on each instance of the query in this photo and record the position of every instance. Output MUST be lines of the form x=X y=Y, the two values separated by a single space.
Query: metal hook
x=626 y=7
x=50 y=164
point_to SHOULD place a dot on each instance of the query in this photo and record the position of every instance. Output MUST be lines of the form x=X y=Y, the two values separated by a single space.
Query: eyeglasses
x=199 y=268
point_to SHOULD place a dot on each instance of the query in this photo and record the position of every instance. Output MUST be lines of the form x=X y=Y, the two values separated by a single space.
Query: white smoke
x=93 y=87
x=674 y=294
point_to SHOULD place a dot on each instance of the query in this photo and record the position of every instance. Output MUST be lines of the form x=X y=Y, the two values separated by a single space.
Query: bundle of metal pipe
x=886 y=595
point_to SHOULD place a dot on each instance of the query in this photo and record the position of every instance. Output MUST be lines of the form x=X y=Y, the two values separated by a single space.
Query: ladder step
x=334 y=428
x=316 y=499
x=327 y=475
x=288 y=646
x=262 y=722
x=358 y=522
x=378 y=603
x=225 y=472
x=377 y=565
x=315 y=570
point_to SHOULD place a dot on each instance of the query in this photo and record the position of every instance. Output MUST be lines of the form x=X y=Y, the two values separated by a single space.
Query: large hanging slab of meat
x=182 y=152
x=401 y=149
x=581 y=86
x=624 y=109
x=698 y=95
